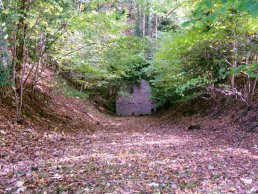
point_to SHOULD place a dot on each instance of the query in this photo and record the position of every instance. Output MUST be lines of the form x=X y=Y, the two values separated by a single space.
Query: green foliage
x=94 y=41
x=250 y=70
x=95 y=48
x=5 y=68
x=70 y=91
x=4 y=76
x=190 y=59
x=117 y=61
x=176 y=68
x=211 y=11
x=167 y=25
x=124 y=57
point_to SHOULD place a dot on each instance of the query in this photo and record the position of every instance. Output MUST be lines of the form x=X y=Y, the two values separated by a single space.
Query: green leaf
x=187 y=23
x=198 y=13
x=198 y=24
x=254 y=11
x=222 y=10
x=248 y=5
x=209 y=4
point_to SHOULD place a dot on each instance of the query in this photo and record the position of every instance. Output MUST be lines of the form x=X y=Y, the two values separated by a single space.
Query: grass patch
x=69 y=91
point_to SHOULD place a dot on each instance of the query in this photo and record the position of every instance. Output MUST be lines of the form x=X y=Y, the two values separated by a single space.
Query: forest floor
x=85 y=151
x=131 y=155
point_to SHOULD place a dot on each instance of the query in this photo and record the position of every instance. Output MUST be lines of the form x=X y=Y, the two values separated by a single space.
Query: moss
x=69 y=91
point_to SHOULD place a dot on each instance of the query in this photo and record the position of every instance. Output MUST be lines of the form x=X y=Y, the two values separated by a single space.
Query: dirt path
x=131 y=155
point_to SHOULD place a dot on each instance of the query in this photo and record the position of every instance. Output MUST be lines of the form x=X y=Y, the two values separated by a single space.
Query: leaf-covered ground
x=130 y=155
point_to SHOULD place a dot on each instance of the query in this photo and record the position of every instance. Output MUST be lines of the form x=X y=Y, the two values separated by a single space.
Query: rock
x=192 y=127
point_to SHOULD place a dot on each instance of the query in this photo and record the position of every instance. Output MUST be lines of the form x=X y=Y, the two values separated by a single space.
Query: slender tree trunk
x=235 y=54
x=16 y=97
x=19 y=111
x=4 y=56
x=156 y=28
x=21 y=35
x=253 y=89
x=4 y=59
x=41 y=48
x=18 y=56
x=144 y=24
x=148 y=20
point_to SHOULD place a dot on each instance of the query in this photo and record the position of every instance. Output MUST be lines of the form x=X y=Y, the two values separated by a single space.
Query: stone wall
x=137 y=103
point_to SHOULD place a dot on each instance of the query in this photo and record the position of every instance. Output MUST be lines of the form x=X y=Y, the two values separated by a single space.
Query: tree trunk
x=235 y=55
x=21 y=35
x=18 y=56
x=156 y=27
x=143 y=24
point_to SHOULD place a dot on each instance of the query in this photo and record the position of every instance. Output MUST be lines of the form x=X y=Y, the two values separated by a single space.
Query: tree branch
x=71 y=52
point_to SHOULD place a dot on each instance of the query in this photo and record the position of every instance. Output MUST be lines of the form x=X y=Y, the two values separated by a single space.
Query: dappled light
x=132 y=96
x=140 y=160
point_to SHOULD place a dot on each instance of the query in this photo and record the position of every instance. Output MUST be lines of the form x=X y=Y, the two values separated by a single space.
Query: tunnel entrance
x=138 y=101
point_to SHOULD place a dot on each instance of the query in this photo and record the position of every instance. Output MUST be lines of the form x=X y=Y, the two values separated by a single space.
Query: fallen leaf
x=247 y=181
